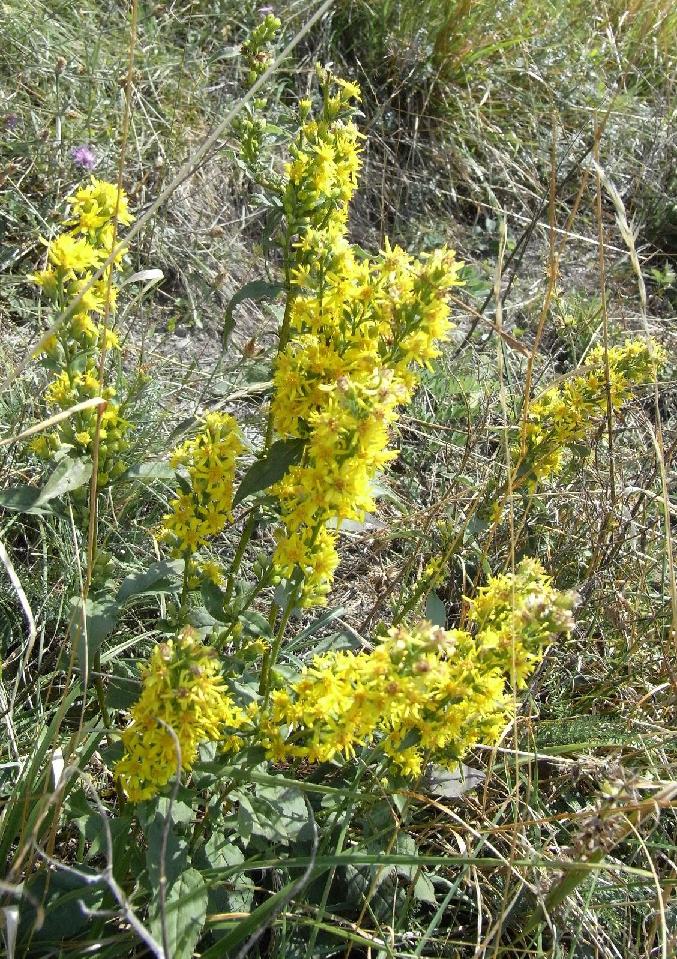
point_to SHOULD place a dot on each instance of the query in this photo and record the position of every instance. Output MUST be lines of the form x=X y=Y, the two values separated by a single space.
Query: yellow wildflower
x=564 y=415
x=95 y=205
x=358 y=331
x=72 y=255
x=423 y=692
x=183 y=689
x=209 y=460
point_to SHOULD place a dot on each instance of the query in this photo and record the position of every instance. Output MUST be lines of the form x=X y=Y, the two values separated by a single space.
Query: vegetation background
x=537 y=138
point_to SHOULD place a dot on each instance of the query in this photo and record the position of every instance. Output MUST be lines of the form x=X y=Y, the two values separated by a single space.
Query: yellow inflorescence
x=425 y=693
x=566 y=414
x=72 y=257
x=209 y=460
x=182 y=688
x=357 y=330
x=515 y=616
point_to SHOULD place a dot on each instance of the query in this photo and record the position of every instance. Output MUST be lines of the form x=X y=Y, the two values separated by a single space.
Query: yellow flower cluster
x=203 y=505
x=182 y=688
x=355 y=331
x=425 y=693
x=321 y=176
x=515 y=616
x=78 y=431
x=72 y=258
x=565 y=414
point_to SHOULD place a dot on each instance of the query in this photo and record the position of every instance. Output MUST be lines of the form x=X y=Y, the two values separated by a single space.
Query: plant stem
x=245 y=536
x=270 y=657
x=184 y=589
x=268 y=439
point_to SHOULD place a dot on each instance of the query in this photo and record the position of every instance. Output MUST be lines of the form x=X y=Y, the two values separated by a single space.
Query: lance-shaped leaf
x=269 y=470
x=162 y=577
x=70 y=474
x=257 y=290
x=93 y=620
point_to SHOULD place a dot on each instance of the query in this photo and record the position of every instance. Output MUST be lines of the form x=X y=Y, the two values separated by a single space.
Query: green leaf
x=70 y=474
x=275 y=813
x=219 y=852
x=62 y=896
x=186 y=912
x=256 y=290
x=246 y=927
x=184 y=426
x=424 y=890
x=322 y=620
x=435 y=610
x=88 y=820
x=122 y=686
x=162 y=577
x=265 y=472
x=93 y=620
x=255 y=624
x=213 y=597
x=20 y=499
x=154 y=823
x=148 y=472
x=451 y=784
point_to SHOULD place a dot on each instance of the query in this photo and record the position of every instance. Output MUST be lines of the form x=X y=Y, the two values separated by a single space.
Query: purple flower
x=83 y=156
x=11 y=121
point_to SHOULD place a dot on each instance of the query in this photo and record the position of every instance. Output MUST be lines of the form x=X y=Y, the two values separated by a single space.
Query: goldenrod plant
x=337 y=589
x=566 y=414
x=75 y=353
x=429 y=694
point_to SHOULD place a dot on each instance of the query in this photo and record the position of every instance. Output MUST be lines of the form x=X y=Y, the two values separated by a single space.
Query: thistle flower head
x=83 y=156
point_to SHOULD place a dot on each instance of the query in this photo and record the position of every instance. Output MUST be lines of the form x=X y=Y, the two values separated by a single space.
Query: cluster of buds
x=251 y=126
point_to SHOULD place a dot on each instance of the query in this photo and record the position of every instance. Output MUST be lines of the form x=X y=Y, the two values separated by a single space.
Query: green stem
x=268 y=439
x=270 y=659
x=245 y=536
x=286 y=323
x=105 y=716
x=253 y=593
x=184 y=589
x=425 y=583
x=347 y=815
